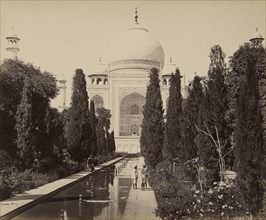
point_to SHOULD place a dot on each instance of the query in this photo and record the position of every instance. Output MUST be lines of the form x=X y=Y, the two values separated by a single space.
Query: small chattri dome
x=169 y=68
x=99 y=69
x=256 y=37
x=12 y=35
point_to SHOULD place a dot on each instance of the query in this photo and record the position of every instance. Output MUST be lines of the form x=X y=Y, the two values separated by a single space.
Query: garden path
x=140 y=204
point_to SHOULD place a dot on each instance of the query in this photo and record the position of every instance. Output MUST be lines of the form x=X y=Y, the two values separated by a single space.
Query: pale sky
x=61 y=36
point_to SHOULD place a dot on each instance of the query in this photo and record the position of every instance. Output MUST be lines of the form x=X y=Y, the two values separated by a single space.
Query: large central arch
x=131 y=115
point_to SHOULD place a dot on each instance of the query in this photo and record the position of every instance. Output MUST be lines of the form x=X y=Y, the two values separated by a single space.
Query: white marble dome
x=169 y=68
x=99 y=69
x=136 y=44
x=256 y=35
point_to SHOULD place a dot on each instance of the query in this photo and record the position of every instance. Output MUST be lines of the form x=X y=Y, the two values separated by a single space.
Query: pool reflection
x=102 y=195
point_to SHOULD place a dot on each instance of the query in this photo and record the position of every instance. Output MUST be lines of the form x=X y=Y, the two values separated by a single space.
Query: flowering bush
x=177 y=196
x=222 y=200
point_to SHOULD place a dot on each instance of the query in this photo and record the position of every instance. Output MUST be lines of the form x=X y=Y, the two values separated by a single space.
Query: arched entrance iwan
x=131 y=115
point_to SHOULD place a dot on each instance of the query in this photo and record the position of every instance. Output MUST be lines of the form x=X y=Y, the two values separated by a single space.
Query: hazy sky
x=61 y=36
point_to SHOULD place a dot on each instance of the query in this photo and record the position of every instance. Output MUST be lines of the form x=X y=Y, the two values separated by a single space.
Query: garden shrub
x=177 y=196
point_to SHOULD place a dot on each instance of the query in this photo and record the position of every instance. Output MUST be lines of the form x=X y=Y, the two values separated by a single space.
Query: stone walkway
x=140 y=204
x=31 y=197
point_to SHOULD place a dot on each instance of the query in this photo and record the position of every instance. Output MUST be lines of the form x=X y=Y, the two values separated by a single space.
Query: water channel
x=102 y=195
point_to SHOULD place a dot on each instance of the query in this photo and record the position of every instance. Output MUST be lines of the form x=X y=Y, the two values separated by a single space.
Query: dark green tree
x=172 y=134
x=152 y=133
x=213 y=115
x=249 y=149
x=93 y=129
x=239 y=68
x=79 y=125
x=56 y=140
x=25 y=140
x=112 y=142
x=43 y=89
x=205 y=147
x=103 y=125
x=188 y=148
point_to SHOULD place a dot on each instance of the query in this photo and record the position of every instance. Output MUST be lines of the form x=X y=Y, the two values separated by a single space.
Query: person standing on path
x=144 y=176
x=135 y=177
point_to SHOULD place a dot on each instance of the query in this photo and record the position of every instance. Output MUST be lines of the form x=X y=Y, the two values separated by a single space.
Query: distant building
x=61 y=83
x=12 y=46
x=256 y=39
x=121 y=84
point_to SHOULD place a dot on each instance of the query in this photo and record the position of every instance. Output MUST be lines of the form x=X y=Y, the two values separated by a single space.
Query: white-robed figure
x=135 y=177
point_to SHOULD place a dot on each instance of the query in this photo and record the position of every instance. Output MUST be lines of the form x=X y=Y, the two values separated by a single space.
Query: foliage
x=56 y=141
x=152 y=132
x=177 y=196
x=103 y=126
x=239 y=67
x=205 y=147
x=188 y=148
x=112 y=142
x=213 y=112
x=79 y=124
x=5 y=160
x=172 y=134
x=249 y=151
x=42 y=89
x=222 y=200
x=25 y=140
x=18 y=182
x=93 y=121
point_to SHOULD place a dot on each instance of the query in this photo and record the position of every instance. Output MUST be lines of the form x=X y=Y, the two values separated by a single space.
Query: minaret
x=13 y=44
x=256 y=39
x=62 y=87
x=136 y=15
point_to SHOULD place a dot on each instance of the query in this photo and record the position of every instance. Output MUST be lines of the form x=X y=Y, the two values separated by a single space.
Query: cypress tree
x=218 y=93
x=213 y=115
x=249 y=150
x=205 y=147
x=152 y=133
x=239 y=66
x=79 y=123
x=24 y=126
x=43 y=89
x=172 y=135
x=93 y=129
x=188 y=148
x=101 y=140
x=113 y=148
x=103 y=125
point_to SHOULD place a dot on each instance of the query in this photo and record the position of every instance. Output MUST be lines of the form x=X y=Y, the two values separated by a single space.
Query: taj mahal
x=121 y=84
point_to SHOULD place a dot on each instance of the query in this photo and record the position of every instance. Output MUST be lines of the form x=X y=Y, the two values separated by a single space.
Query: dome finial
x=170 y=59
x=257 y=29
x=100 y=59
x=136 y=15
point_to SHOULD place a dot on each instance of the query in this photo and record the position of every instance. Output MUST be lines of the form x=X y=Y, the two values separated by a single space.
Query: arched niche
x=99 y=81
x=131 y=114
x=98 y=101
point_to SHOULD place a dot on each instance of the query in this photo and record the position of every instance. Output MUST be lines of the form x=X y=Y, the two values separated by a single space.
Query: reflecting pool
x=102 y=195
